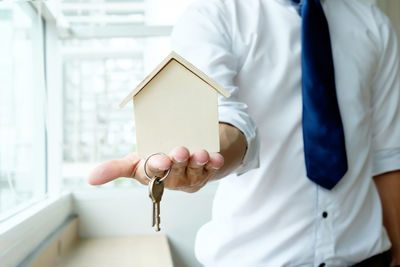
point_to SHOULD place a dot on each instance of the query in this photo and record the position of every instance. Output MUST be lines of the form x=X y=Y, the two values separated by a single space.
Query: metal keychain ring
x=147 y=175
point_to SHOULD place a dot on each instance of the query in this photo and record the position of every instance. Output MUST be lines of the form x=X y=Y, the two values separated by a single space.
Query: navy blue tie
x=324 y=144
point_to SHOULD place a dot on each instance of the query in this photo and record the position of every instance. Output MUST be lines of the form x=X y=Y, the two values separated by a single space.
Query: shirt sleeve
x=202 y=36
x=386 y=100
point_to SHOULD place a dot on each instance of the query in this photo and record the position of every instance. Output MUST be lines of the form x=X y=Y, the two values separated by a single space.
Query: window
x=113 y=47
x=22 y=116
x=95 y=82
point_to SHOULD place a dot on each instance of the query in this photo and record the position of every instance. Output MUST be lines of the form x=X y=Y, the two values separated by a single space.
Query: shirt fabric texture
x=269 y=213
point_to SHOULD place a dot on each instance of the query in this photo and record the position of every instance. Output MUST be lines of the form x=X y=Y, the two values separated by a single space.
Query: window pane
x=99 y=73
x=22 y=135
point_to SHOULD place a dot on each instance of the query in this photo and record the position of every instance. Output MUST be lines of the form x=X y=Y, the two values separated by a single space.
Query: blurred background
x=65 y=74
x=64 y=67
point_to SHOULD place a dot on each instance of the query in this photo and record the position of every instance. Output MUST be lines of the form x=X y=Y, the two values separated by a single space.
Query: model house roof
x=184 y=63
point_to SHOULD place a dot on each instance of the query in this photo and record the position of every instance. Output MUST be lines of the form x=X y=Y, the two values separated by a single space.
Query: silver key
x=156 y=190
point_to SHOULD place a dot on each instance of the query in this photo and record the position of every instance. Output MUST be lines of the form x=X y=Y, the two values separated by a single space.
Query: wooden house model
x=176 y=105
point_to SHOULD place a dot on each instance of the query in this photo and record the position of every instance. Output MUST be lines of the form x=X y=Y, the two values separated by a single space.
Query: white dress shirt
x=272 y=214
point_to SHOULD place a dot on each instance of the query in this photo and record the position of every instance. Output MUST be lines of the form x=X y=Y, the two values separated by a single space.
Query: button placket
x=324 y=247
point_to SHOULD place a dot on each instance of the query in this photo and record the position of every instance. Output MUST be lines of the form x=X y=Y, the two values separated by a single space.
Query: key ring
x=160 y=179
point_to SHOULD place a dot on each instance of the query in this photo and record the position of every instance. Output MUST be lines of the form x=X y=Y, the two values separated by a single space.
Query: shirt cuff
x=243 y=123
x=385 y=161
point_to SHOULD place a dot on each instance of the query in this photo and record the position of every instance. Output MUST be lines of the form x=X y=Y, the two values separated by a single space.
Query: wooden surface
x=67 y=250
x=135 y=251
x=176 y=108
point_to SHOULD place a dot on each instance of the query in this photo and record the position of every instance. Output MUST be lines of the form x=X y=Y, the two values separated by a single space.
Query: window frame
x=38 y=24
x=25 y=227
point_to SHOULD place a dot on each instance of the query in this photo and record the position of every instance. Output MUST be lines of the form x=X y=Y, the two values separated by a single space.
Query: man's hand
x=388 y=185
x=189 y=173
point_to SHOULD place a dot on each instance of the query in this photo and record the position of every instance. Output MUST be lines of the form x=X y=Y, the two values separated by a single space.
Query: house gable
x=184 y=63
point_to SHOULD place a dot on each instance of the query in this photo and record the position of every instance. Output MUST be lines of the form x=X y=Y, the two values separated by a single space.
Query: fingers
x=197 y=162
x=191 y=173
x=215 y=162
x=180 y=157
x=157 y=165
x=114 y=169
x=201 y=169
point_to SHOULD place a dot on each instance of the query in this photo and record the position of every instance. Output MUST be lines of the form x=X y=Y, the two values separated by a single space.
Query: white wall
x=392 y=9
x=121 y=212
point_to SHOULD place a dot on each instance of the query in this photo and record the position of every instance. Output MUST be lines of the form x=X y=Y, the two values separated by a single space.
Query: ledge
x=138 y=251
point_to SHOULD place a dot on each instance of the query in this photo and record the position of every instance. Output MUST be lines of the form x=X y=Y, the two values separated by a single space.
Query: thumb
x=113 y=169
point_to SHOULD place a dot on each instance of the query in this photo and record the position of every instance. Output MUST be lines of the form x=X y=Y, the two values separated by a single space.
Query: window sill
x=22 y=233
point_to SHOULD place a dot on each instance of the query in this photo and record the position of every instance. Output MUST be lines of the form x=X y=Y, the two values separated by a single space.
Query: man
x=269 y=213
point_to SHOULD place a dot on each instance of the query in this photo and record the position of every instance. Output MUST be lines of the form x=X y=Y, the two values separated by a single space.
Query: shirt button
x=322 y=265
x=324 y=215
